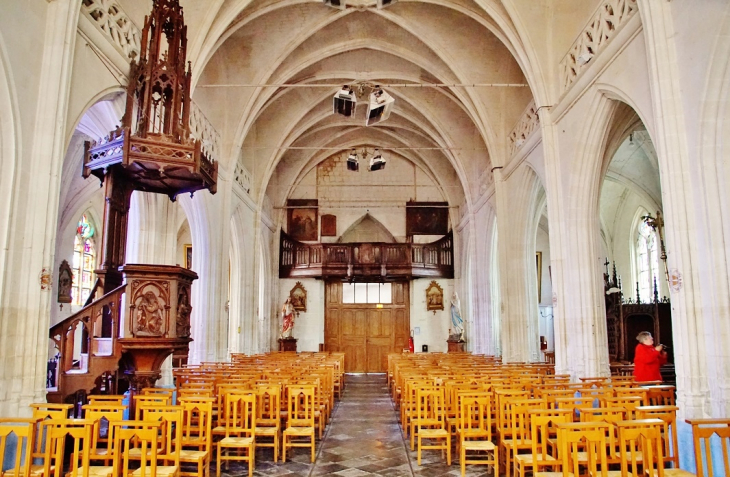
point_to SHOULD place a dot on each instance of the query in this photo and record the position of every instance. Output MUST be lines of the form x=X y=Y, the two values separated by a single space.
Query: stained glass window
x=84 y=261
x=647 y=261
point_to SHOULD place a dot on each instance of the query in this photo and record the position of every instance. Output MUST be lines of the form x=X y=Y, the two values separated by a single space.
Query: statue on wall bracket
x=434 y=297
x=457 y=322
x=65 y=283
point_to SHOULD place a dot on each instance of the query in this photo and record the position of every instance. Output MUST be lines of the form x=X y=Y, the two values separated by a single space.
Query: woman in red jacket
x=648 y=358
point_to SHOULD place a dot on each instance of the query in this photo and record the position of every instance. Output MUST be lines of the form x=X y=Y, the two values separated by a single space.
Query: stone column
x=691 y=318
x=518 y=279
x=209 y=218
x=26 y=298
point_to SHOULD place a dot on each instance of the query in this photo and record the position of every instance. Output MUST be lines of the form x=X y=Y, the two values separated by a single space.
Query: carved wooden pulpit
x=151 y=151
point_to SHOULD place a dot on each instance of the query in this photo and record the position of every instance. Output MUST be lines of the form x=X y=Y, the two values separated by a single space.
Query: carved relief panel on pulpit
x=150 y=308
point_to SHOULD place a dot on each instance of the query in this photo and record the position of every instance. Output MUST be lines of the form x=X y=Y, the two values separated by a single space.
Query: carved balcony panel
x=152 y=163
x=366 y=261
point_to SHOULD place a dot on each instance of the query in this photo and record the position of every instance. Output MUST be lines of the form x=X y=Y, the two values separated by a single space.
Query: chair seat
x=433 y=433
x=528 y=458
x=192 y=454
x=162 y=471
x=299 y=431
x=512 y=442
x=675 y=473
x=617 y=473
x=478 y=445
x=554 y=474
x=94 y=470
x=267 y=431
x=35 y=470
x=236 y=441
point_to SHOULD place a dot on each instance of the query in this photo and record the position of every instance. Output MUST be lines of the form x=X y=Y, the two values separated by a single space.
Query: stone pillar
x=581 y=348
x=518 y=279
x=209 y=219
x=691 y=318
x=26 y=295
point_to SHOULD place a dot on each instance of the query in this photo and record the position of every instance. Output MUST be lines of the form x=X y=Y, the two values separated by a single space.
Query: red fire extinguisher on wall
x=411 y=346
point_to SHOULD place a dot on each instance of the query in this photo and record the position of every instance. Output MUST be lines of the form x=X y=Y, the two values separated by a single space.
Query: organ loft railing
x=138 y=314
x=383 y=261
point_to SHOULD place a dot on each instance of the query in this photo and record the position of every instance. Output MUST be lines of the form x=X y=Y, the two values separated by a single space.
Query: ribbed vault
x=452 y=133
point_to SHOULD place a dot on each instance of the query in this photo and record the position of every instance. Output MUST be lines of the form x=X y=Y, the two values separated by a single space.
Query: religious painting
x=538 y=263
x=189 y=256
x=329 y=225
x=298 y=297
x=302 y=219
x=427 y=218
x=65 y=283
x=434 y=297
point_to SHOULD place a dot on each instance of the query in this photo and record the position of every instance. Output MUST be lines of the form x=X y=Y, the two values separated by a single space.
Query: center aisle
x=364 y=437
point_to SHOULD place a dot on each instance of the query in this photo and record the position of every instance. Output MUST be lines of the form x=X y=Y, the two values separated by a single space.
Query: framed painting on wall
x=189 y=256
x=329 y=225
x=427 y=218
x=302 y=219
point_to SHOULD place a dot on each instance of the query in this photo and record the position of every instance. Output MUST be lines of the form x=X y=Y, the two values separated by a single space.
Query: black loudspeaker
x=424 y=348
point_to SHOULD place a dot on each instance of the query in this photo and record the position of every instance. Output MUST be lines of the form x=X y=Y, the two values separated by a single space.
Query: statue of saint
x=457 y=323
x=287 y=315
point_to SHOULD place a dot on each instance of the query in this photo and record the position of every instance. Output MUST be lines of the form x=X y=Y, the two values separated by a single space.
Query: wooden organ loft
x=137 y=314
x=626 y=318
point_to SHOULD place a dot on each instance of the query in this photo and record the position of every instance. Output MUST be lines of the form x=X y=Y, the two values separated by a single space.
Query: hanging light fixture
x=353 y=163
x=377 y=162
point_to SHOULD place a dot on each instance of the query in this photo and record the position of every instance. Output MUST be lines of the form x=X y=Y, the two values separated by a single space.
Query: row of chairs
x=277 y=401
x=508 y=414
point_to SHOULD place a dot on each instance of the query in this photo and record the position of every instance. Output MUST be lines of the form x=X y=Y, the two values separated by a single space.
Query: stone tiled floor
x=363 y=438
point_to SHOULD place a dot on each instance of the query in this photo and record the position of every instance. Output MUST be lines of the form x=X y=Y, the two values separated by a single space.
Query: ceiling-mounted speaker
x=377 y=162
x=385 y=3
x=338 y=4
x=379 y=106
x=352 y=162
x=344 y=102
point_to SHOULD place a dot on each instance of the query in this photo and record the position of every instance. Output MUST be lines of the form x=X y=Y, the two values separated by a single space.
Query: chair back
x=24 y=432
x=475 y=415
x=268 y=405
x=197 y=423
x=170 y=440
x=149 y=400
x=301 y=406
x=241 y=414
x=703 y=430
x=583 y=444
x=431 y=408
x=102 y=415
x=543 y=427
x=640 y=447
x=668 y=415
x=60 y=433
x=142 y=435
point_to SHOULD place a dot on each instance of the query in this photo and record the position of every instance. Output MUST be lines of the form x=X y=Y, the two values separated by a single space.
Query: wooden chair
x=197 y=436
x=431 y=412
x=75 y=433
x=703 y=430
x=581 y=444
x=640 y=444
x=518 y=436
x=43 y=412
x=144 y=436
x=268 y=417
x=240 y=431
x=543 y=429
x=300 y=419
x=630 y=403
x=102 y=415
x=668 y=415
x=23 y=431
x=474 y=432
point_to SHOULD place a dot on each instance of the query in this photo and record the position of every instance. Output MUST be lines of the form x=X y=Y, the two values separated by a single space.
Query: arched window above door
x=646 y=258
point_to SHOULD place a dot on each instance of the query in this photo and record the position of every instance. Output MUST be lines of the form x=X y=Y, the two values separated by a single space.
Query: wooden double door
x=365 y=332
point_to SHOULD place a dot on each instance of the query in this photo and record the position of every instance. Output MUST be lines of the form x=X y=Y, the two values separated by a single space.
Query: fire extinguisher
x=411 y=346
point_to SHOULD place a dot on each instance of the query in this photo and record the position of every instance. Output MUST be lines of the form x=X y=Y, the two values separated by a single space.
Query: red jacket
x=647 y=361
